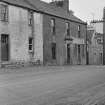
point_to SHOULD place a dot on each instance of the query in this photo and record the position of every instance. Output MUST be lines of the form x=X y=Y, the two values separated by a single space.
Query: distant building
x=95 y=39
x=39 y=32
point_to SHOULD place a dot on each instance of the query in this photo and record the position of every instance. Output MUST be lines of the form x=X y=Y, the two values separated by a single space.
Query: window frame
x=4 y=12
x=30 y=45
x=79 y=31
x=30 y=18
x=53 y=30
x=68 y=28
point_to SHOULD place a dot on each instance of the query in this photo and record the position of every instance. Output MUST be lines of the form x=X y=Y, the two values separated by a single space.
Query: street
x=79 y=85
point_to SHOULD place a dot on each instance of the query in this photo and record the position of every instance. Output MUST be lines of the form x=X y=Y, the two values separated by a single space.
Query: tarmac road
x=68 y=86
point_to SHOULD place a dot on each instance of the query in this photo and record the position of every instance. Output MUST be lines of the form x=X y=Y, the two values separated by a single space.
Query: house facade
x=95 y=42
x=21 y=33
x=35 y=31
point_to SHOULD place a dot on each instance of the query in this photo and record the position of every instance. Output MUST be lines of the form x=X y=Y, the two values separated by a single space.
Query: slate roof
x=43 y=7
x=21 y=3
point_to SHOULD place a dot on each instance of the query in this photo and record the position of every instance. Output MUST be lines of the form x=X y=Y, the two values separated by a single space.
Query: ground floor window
x=53 y=50
x=30 y=44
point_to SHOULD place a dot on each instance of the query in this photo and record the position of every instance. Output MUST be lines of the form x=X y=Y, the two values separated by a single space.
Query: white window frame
x=30 y=44
x=30 y=18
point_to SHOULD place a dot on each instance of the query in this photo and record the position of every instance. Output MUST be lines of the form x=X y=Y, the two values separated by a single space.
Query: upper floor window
x=3 y=12
x=30 y=18
x=68 y=29
x=79 y=31
x=53 y=26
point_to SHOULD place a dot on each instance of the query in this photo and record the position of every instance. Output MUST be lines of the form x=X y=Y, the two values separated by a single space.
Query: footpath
x=44 y=69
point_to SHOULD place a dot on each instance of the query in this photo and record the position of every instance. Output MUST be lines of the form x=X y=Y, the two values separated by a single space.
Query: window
x=30 y=18
x=30 y=44
x=53 y=50
x=3 y=12
x=53 y=26
x=79 y=31
x=68 y=29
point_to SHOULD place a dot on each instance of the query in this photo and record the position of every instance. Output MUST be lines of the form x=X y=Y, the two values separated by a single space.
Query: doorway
x=4 y=47
x=68 y=53
x=79 y=54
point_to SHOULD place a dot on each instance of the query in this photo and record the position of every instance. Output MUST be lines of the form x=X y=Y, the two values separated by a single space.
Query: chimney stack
x=61 y=3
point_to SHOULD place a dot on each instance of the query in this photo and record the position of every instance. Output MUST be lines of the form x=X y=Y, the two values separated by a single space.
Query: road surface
x=68 y=86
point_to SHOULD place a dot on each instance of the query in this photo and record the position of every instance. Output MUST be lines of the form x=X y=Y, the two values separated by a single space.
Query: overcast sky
x=87 y=9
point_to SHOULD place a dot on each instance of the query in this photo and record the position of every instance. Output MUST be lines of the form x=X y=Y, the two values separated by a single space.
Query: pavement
x=53 y=85
x=44 y=69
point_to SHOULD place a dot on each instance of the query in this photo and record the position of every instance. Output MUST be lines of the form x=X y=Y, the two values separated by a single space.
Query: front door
x=4 y=47
x=79 y=54
x=68 y=53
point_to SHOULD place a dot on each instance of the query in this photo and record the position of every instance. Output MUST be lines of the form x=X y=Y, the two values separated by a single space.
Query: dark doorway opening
x=79 y=54
x=68 y=53
x=5 y=47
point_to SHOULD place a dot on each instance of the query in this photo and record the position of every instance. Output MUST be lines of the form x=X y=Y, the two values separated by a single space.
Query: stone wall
x=59 y=37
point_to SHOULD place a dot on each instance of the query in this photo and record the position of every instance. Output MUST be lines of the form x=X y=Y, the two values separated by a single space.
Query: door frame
x=8 y=48
x=68 y=54
x=79 y=54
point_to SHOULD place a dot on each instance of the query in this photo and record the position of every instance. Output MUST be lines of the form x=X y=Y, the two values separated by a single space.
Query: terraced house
x=35 y=31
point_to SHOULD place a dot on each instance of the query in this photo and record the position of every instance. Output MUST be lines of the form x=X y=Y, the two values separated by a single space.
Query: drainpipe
x=104 y=36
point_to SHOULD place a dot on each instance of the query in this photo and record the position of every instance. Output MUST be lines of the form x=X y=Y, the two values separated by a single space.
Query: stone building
x=35 y=31
x=95 y=39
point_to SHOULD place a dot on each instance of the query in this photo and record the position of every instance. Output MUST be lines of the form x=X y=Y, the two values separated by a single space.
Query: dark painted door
x=68 y=53
x=79 y=54
x=4 y=47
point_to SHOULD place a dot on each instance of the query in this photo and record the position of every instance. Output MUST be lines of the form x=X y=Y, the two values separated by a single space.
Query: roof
x=21 y=3
x=96 y=21
x=41 y=6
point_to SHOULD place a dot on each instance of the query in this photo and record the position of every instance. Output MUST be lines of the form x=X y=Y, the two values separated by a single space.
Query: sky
x=87 y=10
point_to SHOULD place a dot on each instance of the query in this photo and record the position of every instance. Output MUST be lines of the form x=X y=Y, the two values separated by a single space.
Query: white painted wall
x=38 y=25
x=19 y=32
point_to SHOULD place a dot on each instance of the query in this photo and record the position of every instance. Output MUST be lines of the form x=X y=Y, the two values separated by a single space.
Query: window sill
x=31 y=51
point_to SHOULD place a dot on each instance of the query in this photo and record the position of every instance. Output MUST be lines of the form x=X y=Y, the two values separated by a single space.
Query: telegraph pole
x=104 y=36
